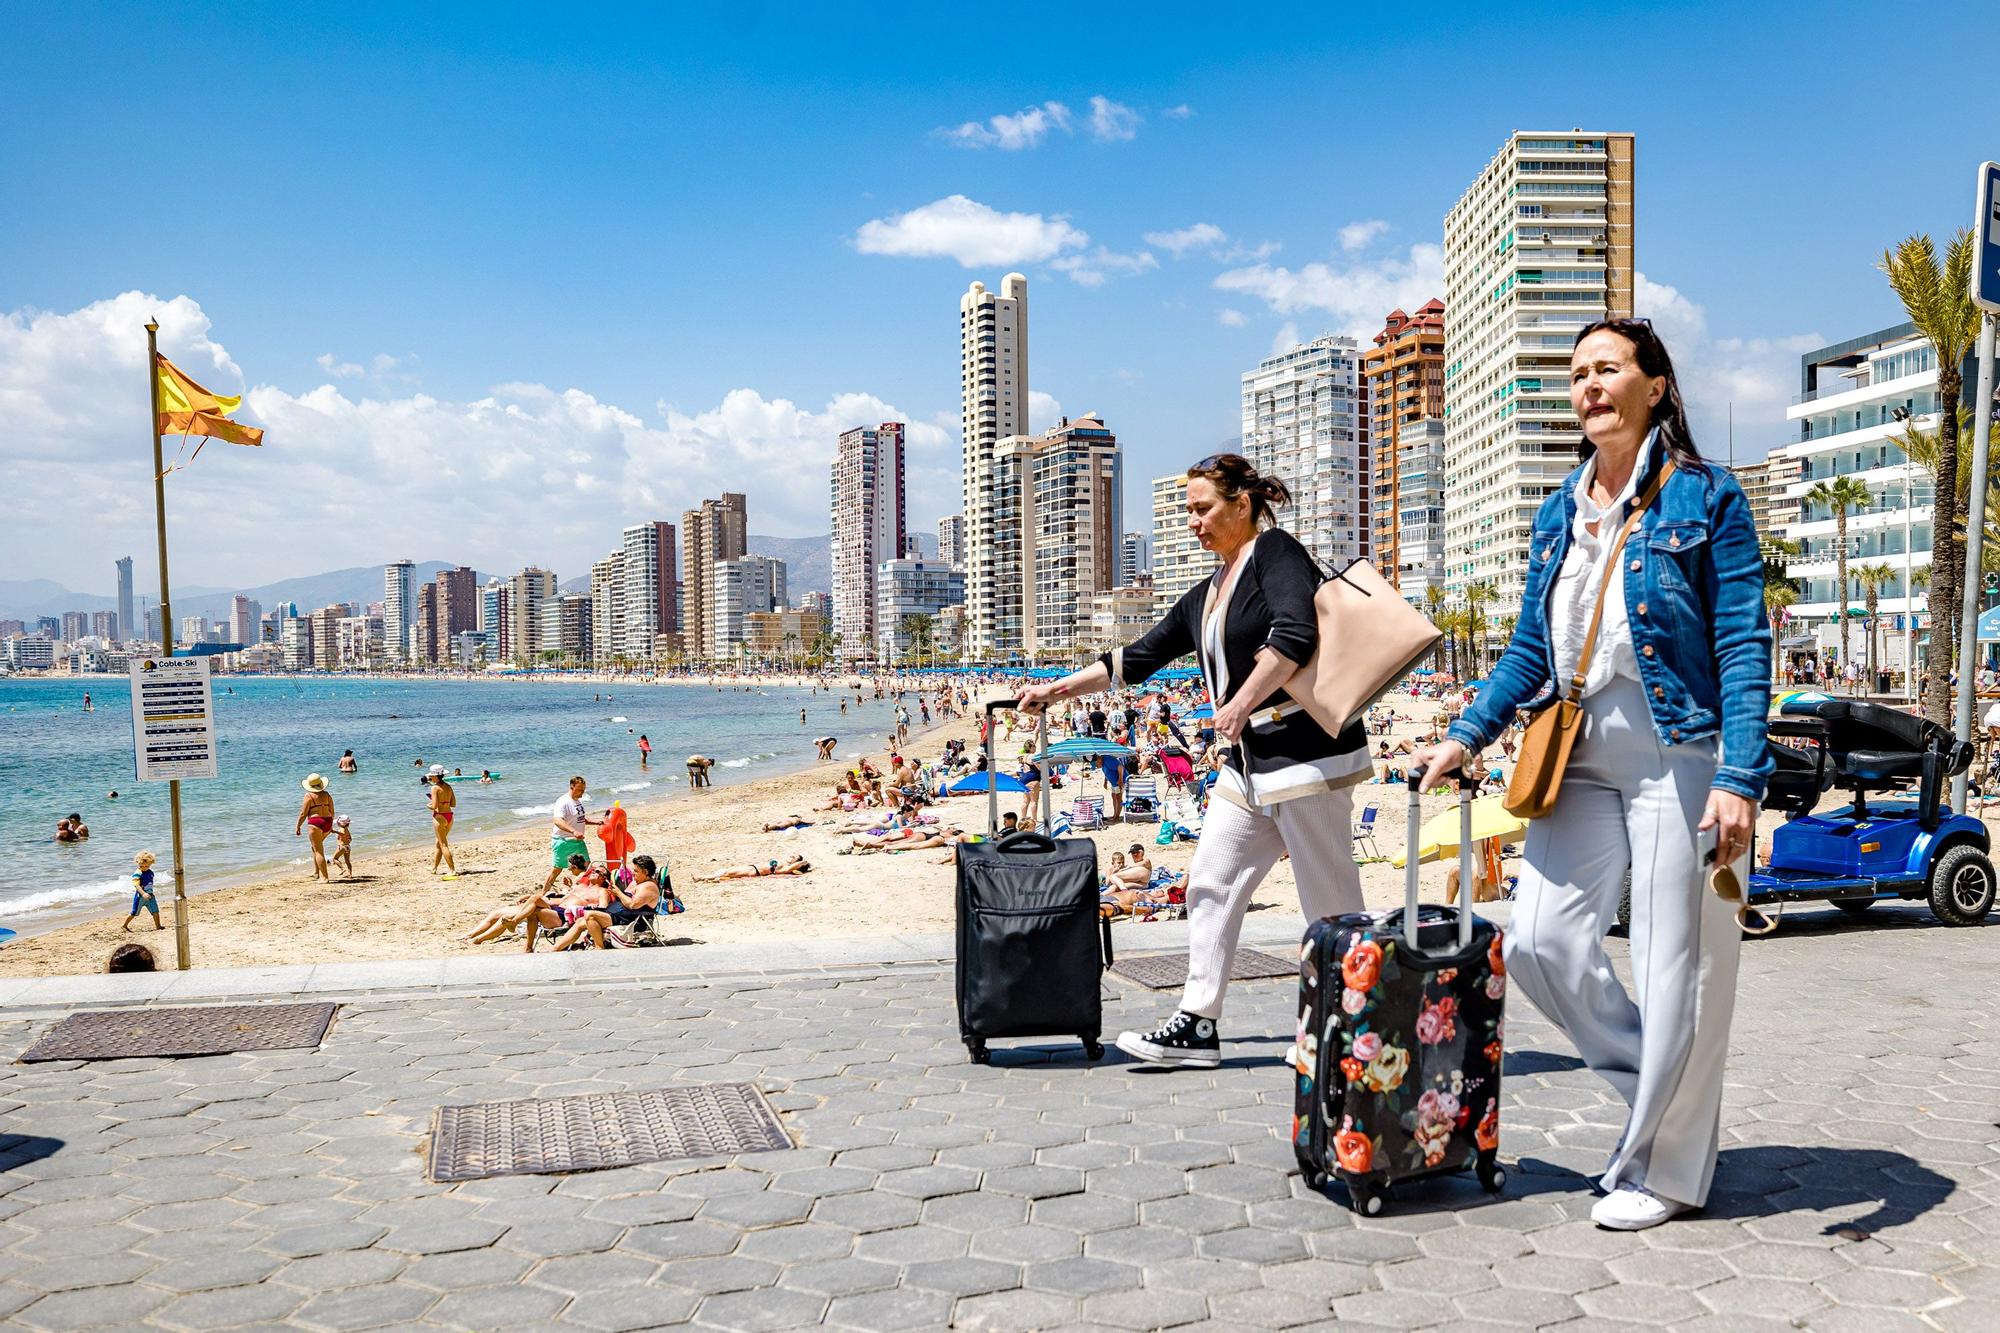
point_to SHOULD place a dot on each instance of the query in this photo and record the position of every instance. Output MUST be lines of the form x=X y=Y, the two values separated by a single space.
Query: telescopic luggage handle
x=1467 y=784
x=993 y=776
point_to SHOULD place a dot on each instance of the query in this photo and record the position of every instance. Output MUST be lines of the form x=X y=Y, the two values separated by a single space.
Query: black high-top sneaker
x=1185 y=1040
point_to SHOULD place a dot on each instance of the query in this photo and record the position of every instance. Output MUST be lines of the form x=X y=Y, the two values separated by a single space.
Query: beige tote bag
x=1369 y=638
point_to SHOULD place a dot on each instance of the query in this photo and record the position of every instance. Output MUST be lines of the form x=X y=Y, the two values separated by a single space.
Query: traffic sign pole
x=1986 y=294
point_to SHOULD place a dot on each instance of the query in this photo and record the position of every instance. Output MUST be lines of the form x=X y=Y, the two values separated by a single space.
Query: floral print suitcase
x=1399 y=1048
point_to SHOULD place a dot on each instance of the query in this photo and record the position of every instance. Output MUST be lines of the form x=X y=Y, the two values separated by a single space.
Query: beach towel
x=617 y=839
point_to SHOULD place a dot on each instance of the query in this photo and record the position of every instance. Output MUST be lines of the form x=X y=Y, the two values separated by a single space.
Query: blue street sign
x=1986 y=240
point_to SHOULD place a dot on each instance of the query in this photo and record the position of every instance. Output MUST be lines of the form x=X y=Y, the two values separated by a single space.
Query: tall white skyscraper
x=399 y=607
x=1539 y=246
x=127 y=627
x=244 y=615
x=1179 y=562
x=647 y=581
x=526 y=593
x=951 y=540
x=993 y=384
x=1132 y=559
x=742 y=586
x=607 y=607
x=1305 y=420
x=868 y=527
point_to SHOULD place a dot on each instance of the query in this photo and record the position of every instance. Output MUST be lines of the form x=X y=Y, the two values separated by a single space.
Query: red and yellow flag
x=188 y=409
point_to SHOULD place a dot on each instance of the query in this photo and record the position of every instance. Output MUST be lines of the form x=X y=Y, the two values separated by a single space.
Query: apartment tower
x=399 y=607
x=1305 y=421
x=127 y=627
x=951 y=540
x=527 y=591
x=993 y=384
x=718 y=531
x=1055 y=522
x=648 y=581
x=607 y=607
x=868 y=527
x=1405 y=376
x=1540 y=246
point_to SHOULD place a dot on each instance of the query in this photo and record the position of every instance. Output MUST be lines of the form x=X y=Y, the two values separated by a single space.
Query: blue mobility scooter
x=1865 y=853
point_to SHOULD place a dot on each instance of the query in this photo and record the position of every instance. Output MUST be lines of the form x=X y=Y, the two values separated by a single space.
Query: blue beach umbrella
x=1200 y=712
x=975 y=784
x=1083 y=747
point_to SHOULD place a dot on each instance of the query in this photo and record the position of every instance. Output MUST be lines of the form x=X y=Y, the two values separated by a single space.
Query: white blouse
x=1583 y=572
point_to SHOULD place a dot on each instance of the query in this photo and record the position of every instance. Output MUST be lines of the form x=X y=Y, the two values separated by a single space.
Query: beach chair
x=1087 y=813
x=1178 y=768
x=1142 y=800
x=1364 y=834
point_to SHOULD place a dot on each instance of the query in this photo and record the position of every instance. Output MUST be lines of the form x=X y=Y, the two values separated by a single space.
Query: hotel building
x=912 y=587
x=1305 y=421
x=1179 y=562
x=647 y=584
x=868 y=528
x=718 y=531
x=1538 y=247
x=399 y=607
x=993 y=386
x=1405 y=376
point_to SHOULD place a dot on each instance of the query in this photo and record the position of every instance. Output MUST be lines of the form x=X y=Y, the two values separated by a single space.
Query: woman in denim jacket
x=1675 y=699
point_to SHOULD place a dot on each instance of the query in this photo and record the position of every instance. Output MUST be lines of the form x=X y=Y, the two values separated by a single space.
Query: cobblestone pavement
x=1859 y=1185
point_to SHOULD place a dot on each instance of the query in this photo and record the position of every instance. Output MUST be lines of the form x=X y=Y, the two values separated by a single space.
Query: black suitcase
x=1401 y=1020
x=1032 y=947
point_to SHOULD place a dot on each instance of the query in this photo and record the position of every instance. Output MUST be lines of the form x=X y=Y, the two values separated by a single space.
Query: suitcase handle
x=1104 y=924
x=1025 y=840
x=1468 y=783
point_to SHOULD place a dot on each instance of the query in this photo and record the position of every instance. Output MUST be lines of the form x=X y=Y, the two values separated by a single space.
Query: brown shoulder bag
x=1551 y=735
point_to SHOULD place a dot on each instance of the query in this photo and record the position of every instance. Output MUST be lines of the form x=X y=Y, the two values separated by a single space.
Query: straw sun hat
x=314 y=782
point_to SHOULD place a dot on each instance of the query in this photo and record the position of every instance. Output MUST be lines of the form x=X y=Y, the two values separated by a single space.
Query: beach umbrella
x=1439 y=835
x=1083 y=747
x=975 y=784
x=1199 y=713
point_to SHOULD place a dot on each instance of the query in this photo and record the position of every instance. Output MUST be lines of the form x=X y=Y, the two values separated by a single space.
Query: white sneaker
x=1630 y=1208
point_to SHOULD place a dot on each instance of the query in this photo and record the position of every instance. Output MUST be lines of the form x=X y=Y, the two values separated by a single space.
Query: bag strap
x=1610 y=570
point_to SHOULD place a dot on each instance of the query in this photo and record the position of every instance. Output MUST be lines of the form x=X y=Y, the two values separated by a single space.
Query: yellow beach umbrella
x=1439 y=835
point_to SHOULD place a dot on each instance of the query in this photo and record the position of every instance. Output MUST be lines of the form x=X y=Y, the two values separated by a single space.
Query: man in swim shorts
x=571 y=822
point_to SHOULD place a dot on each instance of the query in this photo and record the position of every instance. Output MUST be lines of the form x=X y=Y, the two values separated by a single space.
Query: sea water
x=56 y=759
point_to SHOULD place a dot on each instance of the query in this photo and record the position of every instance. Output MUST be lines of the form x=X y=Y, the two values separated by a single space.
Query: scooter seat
x=1881 y=765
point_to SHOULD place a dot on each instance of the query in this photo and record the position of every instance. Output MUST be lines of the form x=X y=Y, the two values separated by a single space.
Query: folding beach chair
x=1142 y=800
x=1364 y=834
x=1178 y=768
x=1088 y=812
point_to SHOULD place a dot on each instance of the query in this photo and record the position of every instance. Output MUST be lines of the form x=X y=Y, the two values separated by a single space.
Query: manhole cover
x=601 y=1129
x=119 y=1034
x=1165 y=971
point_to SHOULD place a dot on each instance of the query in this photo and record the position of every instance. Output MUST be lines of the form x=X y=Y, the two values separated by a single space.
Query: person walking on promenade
x=1675 y=694
x=1285 y=786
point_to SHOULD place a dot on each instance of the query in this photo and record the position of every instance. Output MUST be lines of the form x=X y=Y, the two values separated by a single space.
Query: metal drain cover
x=1165 y=971
x=601 y=1129
x=215 y=1029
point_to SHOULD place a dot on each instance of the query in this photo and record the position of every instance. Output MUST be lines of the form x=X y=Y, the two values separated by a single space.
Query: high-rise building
x=104 y=625
x=151 y=615
x=868 y=529
x=819 y=603
x=1054 y=524
x=1116 y=617
x=457 y=608
x=194 y=629
x=951 y=540
x=1179 y=562
x=1856 y=397
x=607 y=606
x=907 y=588
x=993 y=386
x=1405 y=376
x=492 y=619
x=245 y=616
x=718 y=531
x=1132 y=559
x=740 y=586
x=359 y=642
x=126 y=624
x=326 y=635
x=526 y=592
x=399 y=606
x=1305 y=421
x=427 y=634
x=782 y=636
x=563 y=625
x=648 y=583
x=1539 y=246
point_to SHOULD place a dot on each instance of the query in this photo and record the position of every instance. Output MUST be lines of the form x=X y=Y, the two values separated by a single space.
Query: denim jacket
x=1693 y=582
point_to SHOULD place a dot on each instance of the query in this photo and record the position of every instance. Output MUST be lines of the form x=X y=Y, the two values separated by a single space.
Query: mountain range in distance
x=808 y=568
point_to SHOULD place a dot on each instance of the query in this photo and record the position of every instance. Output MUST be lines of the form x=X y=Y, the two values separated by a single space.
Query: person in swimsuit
x=343 y=849
x=142 y=892
x=645 y=750
x=316 y=810
x=78 y=827
x=443 y=801
x=796 y=865
x=624 y=906
x=698 y=766
x=825 y=745
x=347 y=764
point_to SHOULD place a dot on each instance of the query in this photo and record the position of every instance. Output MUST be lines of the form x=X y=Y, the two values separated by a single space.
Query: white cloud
x=339 y=369
x=1356 y=295
x=1181 y=112
x=1285 y=339
x=1758 y=375
x=1112 y=122
x=1100 y=265
x=526 y=473
x=1200 y=236
x=1044 y=410
x=1024 y=129
x=1230 y=319
x=963 y=229
x=1359 y=235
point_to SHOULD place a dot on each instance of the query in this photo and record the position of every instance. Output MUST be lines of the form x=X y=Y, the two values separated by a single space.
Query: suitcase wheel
x=1093 y=1049
x=1492 y=1176
x=1315 y=1180
x=1366 y=1197
x=980 y=1055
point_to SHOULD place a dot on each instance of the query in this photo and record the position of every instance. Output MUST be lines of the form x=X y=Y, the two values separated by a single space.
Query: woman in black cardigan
x=1287 y=786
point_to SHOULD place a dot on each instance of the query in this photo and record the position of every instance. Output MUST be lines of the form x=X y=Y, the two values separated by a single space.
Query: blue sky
x=502 y=279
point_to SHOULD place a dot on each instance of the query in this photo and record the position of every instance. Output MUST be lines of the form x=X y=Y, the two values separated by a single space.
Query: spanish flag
x=188 y=409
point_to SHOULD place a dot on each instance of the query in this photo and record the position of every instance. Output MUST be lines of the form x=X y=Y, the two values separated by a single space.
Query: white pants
x=1626 y=800
x=1237 y=849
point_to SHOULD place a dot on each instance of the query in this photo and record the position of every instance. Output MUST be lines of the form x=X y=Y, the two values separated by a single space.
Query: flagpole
x=166 y=633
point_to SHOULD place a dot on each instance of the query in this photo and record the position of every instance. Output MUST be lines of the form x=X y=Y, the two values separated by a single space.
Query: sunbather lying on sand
x=926 y=838
x=788 y=822
x=796 y=865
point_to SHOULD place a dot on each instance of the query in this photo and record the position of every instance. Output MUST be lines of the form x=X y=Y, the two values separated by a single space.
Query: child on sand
x=142 y=892
x=343 y=851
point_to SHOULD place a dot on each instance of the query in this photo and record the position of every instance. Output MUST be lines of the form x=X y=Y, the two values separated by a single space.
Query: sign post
x=1986 y=295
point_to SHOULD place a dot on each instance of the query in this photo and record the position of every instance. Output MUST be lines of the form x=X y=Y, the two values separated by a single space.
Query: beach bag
x=1369 y=638
x=1551 y=734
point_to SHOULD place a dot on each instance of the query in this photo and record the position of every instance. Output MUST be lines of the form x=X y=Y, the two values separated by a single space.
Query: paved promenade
x=1859 y=1186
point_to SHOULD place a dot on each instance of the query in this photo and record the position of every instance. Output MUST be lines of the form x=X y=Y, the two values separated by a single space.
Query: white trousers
x=1237 y=849
x=1628 y=800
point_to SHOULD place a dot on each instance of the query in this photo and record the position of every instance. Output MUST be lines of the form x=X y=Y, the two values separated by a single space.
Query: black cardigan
x=1271 y=606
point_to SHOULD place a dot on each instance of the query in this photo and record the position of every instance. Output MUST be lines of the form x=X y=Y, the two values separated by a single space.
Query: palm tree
x=1841 y=494
x=916 y=629
x=1479 y=594
x=1778 y=596
x=1873 y=578
x=1938 y=299
x=1434 y=601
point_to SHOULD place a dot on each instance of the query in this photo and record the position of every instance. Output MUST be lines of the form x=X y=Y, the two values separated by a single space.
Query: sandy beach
x=394 y=908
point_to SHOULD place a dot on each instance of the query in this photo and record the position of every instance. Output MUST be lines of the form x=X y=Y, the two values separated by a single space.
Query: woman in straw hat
x=317 y=811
